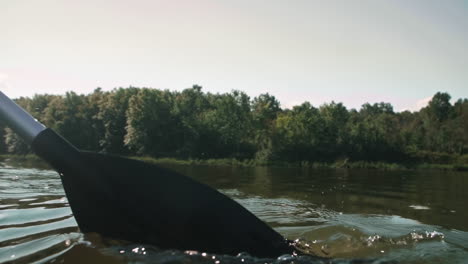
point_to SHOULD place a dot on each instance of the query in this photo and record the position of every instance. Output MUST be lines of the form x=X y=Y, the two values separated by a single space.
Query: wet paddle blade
x=137 y=201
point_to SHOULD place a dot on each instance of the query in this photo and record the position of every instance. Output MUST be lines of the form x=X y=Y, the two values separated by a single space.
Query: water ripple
x=37 y=226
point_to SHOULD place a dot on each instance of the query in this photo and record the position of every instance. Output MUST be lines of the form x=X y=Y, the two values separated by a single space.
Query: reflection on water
x=379 y=216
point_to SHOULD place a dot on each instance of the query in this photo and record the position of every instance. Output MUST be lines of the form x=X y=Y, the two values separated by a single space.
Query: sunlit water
x=346 y=215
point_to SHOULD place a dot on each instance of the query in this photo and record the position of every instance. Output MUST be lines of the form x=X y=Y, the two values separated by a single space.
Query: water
x=378 y=216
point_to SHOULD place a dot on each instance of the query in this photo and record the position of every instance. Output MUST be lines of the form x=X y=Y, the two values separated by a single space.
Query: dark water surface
x=380 y=216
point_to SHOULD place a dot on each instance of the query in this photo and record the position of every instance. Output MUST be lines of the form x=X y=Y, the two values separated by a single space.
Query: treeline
x=193 y=124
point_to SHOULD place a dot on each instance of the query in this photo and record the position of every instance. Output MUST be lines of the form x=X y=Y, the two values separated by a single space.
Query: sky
x=401 y=52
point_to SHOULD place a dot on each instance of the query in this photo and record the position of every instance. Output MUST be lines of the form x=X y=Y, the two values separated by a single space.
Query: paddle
x=141 y=202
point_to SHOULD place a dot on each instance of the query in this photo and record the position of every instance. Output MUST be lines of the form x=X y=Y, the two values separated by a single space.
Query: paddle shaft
x=55 y=150
x=19 y=120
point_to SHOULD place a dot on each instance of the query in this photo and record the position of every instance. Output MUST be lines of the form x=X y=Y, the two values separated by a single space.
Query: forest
x=193 y=124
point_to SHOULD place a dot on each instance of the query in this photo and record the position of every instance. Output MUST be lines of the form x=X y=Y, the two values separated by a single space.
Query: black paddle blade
x=141 y=202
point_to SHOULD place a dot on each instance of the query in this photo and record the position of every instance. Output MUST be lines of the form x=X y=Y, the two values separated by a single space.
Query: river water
x=345 y=215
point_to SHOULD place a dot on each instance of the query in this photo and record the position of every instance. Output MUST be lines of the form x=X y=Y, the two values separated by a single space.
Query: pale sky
x=396 y=51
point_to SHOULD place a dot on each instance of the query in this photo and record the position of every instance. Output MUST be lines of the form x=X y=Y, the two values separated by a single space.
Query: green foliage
x=113 y=117
x=227 y=125
x=439 y=107
x=152 y=129
x=265 y=109
x=300 y=133
x=15 y=144
x=3 y=147
x=375 y=135
x=231 y=128
x=190 y=107
x=75 y=118
x=12 y=142
x=334 y=142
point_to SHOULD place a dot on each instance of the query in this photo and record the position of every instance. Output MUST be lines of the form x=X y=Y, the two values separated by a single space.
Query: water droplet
x=420 y=207
x=435 y=234
x=372 y=239
x=382 y=251
x=416 y=236
x=324 y=249
x=122 y=251
x=286 y=257
x=402 y=242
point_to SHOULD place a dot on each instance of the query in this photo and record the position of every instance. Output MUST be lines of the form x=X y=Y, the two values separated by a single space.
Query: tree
x=3 y=147
x=91 y=117
x=376 y=109
x=335 y=134
x=229 y=123
x=194 y=124
x=113 y=115
x=265 y=109
x=460 y=126
x=439 y=107
x=437 y=132
x=299 y=133
x=374 y=134
x=14 y=143
x=190 y=107
x=72 y=117
x=151 y=128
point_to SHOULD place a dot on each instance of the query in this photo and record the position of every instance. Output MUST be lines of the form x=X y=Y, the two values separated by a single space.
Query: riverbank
x=28 y=161
x=32 y=160
x=341 y=164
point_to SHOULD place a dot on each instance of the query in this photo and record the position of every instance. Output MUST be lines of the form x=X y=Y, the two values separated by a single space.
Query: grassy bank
x=306 y=164
x=31 y=160
x=28 y=161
